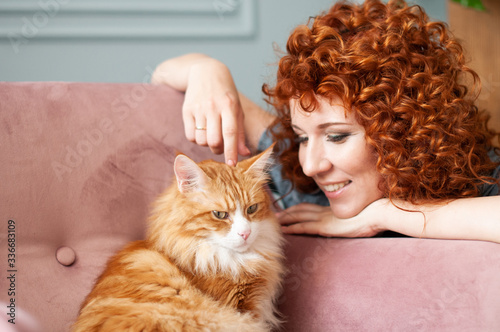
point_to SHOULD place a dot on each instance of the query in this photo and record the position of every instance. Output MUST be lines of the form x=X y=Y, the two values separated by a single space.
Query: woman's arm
x=468 y=218
x=213 y=102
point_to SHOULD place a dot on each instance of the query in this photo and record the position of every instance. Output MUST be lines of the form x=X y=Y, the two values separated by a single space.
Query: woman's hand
x=212 y=111
x=308 y=218
x=212 y=102
x=475 y=218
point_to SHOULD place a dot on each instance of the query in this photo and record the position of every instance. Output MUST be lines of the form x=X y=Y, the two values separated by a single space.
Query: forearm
x=175 y=72
x=468 y=219
x=256 y=121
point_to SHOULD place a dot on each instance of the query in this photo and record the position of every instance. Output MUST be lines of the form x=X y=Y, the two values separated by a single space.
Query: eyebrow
x=325 y=125
x=332 y=124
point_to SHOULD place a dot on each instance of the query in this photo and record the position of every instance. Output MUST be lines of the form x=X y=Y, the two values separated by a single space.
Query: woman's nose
x=313 y=160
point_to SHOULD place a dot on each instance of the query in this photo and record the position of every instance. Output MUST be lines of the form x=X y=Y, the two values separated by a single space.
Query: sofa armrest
x=391 y=284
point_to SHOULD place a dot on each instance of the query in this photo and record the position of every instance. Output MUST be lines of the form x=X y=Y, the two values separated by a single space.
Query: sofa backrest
x=81 y=164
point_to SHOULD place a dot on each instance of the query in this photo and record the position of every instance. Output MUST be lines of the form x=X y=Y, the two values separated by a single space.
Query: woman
x=370 y=100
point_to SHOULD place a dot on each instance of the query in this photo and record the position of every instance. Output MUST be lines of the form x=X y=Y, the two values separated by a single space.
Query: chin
x=343 y=212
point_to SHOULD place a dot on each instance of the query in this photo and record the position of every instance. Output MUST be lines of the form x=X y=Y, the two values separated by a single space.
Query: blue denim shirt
x=282 y=188
x=492 y=189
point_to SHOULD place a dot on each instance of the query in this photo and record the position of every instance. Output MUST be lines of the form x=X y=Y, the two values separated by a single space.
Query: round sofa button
x=65 y=256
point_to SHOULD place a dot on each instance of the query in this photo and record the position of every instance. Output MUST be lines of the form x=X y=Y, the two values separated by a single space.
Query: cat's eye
x=220 y=215
x=252 y=208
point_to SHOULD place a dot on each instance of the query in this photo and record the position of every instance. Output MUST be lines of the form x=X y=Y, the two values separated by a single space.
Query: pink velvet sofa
x=81 y=163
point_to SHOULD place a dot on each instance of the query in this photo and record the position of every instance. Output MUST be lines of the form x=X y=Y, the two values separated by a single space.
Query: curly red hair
x=403 y=77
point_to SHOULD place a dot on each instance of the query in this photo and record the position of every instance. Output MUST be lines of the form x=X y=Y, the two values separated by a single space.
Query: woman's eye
x=221 y=215
x=301 y=139
x=338 y=138
x=252 y=208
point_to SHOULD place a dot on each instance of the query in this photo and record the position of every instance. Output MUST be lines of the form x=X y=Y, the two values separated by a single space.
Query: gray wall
x=123 y=40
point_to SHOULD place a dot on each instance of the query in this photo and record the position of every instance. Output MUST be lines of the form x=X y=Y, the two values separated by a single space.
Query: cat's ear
x=190 y=177
x=260 y=163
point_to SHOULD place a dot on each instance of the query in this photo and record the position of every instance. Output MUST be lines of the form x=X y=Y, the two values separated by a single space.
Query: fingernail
x=231 y=162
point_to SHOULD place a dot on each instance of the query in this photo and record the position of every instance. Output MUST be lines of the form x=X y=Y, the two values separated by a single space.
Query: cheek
x=367 y=168
x=371 y=159
x=362 y=157
x=361 y=165
x=206 y=225
x=221 y=228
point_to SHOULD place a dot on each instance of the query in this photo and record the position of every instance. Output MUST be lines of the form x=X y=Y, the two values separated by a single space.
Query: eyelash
x=340 y=138
x=301 y=139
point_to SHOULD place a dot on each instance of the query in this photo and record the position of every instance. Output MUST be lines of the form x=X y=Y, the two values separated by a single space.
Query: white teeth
x=335 y=187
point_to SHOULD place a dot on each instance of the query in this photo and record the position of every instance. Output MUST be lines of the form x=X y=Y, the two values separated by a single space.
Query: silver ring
x=200 y=128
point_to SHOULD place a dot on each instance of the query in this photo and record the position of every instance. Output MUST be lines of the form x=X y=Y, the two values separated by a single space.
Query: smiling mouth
x=336 y=187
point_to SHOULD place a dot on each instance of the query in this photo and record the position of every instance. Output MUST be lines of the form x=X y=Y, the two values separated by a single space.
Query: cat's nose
x=245 y=234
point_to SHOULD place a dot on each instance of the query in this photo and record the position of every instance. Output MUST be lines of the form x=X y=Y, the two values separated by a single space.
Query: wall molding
x=111 y=19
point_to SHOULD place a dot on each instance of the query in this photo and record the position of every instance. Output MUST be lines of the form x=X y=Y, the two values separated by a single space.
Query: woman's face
x=334 y=152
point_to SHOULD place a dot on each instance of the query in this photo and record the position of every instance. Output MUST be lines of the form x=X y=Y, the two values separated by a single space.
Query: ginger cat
x=212 y=259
